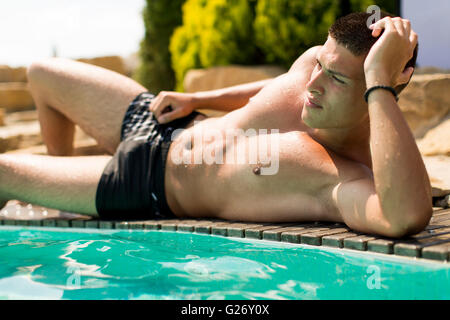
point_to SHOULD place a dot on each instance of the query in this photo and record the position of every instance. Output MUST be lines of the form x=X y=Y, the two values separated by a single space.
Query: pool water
x=56 y=263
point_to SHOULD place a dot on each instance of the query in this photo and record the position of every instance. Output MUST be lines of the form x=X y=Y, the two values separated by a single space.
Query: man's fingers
x=398 y=24
x=413 y=37
x=386 y=23
x=407 y=26
x=160 y=106
x=170 y=116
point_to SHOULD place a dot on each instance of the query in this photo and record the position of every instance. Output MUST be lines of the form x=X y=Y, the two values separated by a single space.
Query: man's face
x=334 y=96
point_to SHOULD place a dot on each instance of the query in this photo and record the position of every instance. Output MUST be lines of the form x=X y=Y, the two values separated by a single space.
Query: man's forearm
x=228 y=99
x=401 y=179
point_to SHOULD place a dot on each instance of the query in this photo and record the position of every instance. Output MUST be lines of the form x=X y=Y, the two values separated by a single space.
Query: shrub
x=214 y=32
x=284 y=29
x=160 y=18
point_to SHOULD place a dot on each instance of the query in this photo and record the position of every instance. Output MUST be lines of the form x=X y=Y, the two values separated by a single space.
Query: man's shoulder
x=306 y=60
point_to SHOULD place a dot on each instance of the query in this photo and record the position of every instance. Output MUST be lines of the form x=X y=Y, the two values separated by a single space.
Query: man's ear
x=405 y=76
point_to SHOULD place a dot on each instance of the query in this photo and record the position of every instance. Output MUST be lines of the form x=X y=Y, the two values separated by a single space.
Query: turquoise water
x=52 y=263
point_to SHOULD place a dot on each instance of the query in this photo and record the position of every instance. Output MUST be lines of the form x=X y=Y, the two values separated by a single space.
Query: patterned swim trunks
x=132 y=183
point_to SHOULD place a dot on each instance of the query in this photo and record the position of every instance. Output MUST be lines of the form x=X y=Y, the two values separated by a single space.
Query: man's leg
x=64 y=183
x=67 y=92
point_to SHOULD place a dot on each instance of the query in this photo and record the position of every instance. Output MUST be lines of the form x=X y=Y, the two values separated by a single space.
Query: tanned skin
x=340 y=159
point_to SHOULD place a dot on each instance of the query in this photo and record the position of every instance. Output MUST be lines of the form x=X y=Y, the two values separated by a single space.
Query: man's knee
x=40 y=71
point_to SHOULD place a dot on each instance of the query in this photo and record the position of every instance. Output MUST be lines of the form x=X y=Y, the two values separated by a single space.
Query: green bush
x=284 y=29
x=160 y=18
x=187 y=34
x=214 y=32
x=390 y=6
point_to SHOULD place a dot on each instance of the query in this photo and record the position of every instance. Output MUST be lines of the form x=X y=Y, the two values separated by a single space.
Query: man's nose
x=314 y=85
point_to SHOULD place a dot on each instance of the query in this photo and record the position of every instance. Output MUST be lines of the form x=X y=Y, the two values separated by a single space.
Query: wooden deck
x=432 y=244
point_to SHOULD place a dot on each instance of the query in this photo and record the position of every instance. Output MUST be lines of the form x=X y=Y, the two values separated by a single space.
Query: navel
x=257 y=170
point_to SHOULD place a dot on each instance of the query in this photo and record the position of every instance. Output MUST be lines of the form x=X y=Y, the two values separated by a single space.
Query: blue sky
x=30 y=29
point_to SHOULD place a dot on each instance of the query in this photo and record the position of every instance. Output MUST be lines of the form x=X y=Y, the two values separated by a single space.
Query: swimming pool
x=57 y=263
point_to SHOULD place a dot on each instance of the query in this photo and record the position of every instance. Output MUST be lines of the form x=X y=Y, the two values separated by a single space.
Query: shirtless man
x=339 y=158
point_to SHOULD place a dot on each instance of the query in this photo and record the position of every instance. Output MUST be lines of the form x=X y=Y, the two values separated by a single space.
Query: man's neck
x=351 y=143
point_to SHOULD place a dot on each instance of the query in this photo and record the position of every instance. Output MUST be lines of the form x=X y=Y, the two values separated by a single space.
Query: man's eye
x=340 y=81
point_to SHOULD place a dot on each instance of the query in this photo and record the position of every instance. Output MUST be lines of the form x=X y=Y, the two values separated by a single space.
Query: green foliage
x=389 y=6
x=187 y=34
x=214 y=32
x=284 y=29
x=160 y=19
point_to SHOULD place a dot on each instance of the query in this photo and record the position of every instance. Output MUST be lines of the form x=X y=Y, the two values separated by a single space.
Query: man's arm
x=182 y=104
x=226 y=99
x=397 y=201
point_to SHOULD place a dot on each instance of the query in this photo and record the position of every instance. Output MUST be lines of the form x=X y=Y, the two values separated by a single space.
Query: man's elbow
x=410 y=224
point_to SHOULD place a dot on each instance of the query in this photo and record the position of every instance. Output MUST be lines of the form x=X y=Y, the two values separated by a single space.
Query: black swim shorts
x=132 y=183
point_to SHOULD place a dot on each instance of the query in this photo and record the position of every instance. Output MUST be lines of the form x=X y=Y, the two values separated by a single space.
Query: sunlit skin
x=339 y=158
x=337 y=87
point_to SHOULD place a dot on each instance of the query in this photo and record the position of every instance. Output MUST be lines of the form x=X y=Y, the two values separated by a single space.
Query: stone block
x=15 y=96
x=9 y=74
x=227 y=76
x=437 y=140
x=113 y=63
x=425 y=102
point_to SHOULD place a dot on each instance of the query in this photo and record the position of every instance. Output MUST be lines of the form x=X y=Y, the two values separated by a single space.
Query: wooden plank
x=381 y=246
x=441 y=211
x=294 y=235
x=187 y=225
x=79 y=223
x=104 y=224
x=49 y=223
x=206 y=228
x=63 y=223
x=232 y=229
x=437 y=252
x=275 y=234
x=441 y=218
x=413 y=248
x=337 y=240
x=315 y=238
x=257 y=232
x=22 y=223
x=92 y=224
x=151 y=225
x=122 y=225
x=35 y=223
x=358 y=242
x=238 y=230
x=9 y=222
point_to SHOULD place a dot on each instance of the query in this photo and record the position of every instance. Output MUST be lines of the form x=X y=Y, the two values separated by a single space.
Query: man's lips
x=312 y=104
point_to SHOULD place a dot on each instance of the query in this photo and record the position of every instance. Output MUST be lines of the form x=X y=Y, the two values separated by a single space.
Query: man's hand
x=168 y=106
x=386 y=61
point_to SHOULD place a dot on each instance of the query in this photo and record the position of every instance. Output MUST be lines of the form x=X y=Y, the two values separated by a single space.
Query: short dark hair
x=352 y=32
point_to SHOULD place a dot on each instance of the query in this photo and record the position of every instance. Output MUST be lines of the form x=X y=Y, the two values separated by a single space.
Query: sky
x=34 y=29
x=430 y=19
